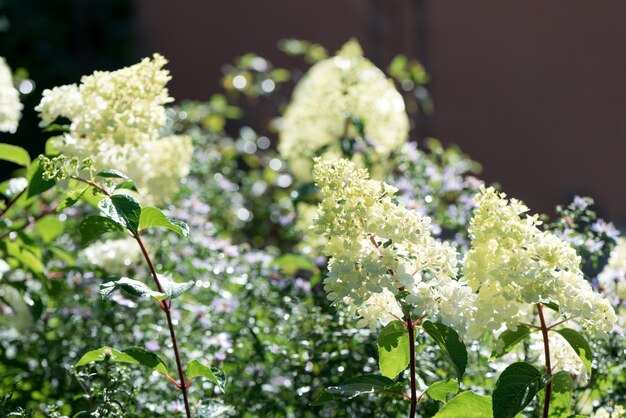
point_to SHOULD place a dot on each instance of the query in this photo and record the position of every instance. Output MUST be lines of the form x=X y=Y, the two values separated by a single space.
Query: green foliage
x=124 y=210
x=561 y=395
x=579 y=344
x=361 y=385
x=467 y=405
x=132 y=355
x=132 y=287
x=509 y=339
x=515 y=389
x=450 y=343
x=14 y=154
x=393 y=349
x=93 y=227
x=154 y=218
x=197 y=369
x=439 y=391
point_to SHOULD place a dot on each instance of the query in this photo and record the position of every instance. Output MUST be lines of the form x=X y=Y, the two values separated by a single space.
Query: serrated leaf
x=508 y=339
x=439 y=391
x=467 y=405
x=361 y=385
x=393 y=349
x=36 y=182
x=154 y=217
x=561 y=395
x=197 y=369
x=92 y=227
x=579 y=344
x=130 y=286
x=132 y=355
x=122 y=209
x=112 y=174
x=516 y=387
x=450 y=343
x=14 y=154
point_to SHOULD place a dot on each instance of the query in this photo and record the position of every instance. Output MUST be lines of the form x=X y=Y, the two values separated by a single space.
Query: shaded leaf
x=122 y=209
x=393 y=349
x=516 y=387
x=37 y=184
x=92 y=227
x=561 y=396
x=450 y=343
x=508 y=339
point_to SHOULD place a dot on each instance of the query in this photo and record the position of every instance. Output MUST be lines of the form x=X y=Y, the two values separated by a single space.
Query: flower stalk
x=546 y=345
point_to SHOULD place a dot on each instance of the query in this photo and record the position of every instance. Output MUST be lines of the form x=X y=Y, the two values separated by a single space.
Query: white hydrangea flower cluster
x=512 y=263
x=115 y=119
x=10 y=105
x=379 y=248
x=346 y=86
x=115 y=256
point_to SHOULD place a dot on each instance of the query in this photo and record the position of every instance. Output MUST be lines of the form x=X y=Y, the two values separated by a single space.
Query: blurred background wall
x=533 y=90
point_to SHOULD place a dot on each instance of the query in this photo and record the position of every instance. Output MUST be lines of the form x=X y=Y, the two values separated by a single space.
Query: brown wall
x=534 y=90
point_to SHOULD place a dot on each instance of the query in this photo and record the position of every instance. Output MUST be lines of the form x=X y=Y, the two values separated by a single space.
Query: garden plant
x=196 y=259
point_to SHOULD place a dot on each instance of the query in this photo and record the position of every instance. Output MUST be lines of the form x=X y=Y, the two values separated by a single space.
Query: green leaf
x=561 y=396
x=450 y=343
x=128 y=185
x=14 y=154
x=36 y=183
x=197 y=369
x=71 y=197
x=92 y=227
x=440 y=390
x=508 y=339
x=579 y=344
x=467 y=405
x=173 y=289
x=133 y=287
x=154 y=217
x=111 y=173
x=361 y=385
x=393 y=349
x=49 y=228
x=132 y=355
x=516 y=387
x=291 y=263
x=122 y=209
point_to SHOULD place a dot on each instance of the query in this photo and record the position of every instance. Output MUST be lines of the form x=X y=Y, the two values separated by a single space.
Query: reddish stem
x=414 y=399
x=546 y=346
